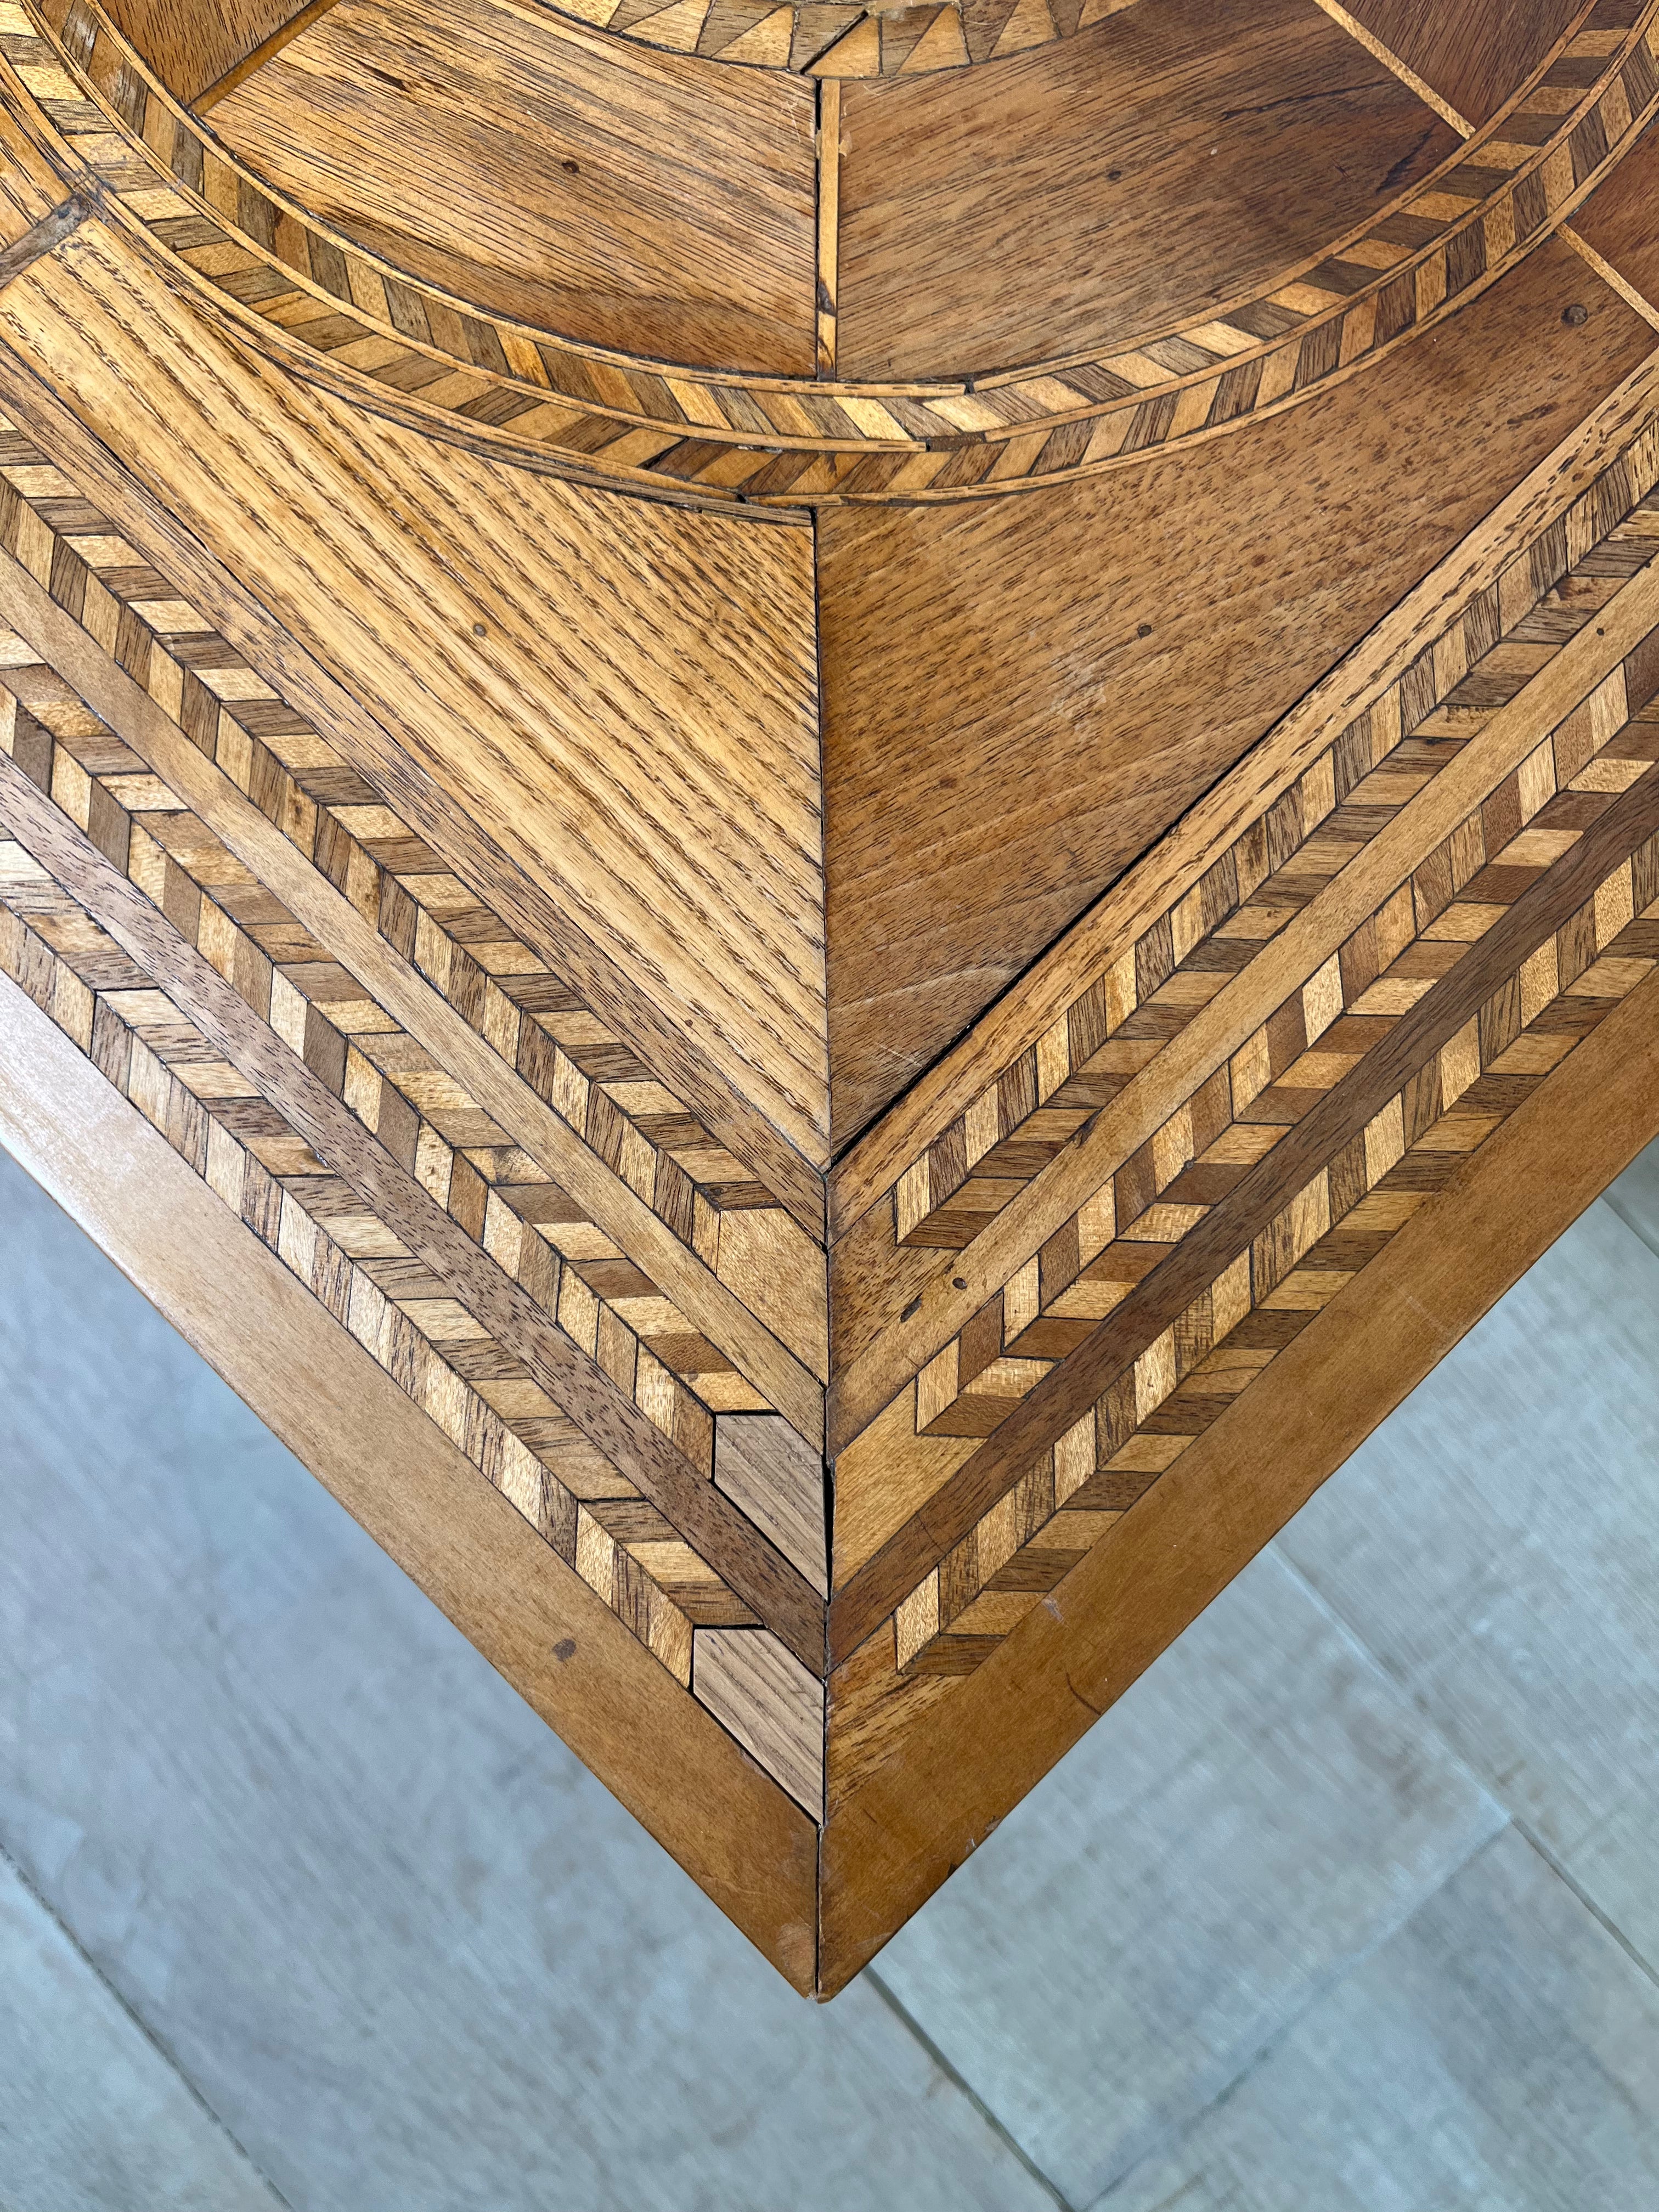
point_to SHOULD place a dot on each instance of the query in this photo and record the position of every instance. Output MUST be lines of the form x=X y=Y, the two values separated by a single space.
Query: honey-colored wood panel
x=772 y=1705
x=733 y=1829
x=1475 y=54
x=190 y=44
x=1620 y=220
x=1019 y=698
x=1140 y=173
x=620 y=694
x=630 y=198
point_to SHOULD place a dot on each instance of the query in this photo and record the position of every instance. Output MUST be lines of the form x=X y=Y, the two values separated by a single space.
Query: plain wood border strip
x=979 y=1751
x=374 y=749
x=283 y=870
x=1285 y=962
x=1038 y=999
x=710 y=1523
x=728 y=1824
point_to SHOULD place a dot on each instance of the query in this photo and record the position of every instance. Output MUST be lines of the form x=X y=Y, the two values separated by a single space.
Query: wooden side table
x=824 y=822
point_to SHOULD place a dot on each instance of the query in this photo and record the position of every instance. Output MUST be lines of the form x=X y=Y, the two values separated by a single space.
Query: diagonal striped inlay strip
x=1229 y=1229
x=776 y=1589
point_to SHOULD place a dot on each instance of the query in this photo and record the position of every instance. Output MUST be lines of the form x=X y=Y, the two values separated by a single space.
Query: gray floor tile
x=1496 y=1543
x=1500 y=2054
x=92 y=2119
x=411 y=1953
x=1635 y=1197
x=1258 y=1812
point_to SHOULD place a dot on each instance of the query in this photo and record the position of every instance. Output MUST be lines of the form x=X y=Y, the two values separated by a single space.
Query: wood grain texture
x=613 y=1013
x=192 y=47
x=1123 y=181
x=1110 y=1012
x=775 y=1478
x=931 y=1796
x=828 y=219
x=394 y=1195
x=204 y=719
x=1083 y=694
x=637 y=1176
x=30 y=190
x=1620 y=220
x=638 y=756
x=772 y=1704
x=444 y=365
x=1529 y=675
x=433 y=850
x=415 y=1320
x=1559 y=648
x=619 y=196
x=1032 y=1022
x=535 y=1621
x=339 y=1250
x=1321 y=1195
x=1476 y=55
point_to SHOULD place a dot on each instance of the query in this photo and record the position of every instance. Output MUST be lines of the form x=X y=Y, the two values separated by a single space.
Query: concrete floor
x=1351 y=1905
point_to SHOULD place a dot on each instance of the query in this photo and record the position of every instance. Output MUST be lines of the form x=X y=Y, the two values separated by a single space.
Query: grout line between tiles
x=906 y=2020
x=1536 y=1843
x=1319 y=1991
x=1521 y=1828
x=1173 y=2137
x=143 y=2025
x=1351 y=1635
x=1637 y=1230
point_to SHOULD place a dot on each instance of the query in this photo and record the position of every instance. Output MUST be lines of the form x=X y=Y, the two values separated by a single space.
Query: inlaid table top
x=824 y=821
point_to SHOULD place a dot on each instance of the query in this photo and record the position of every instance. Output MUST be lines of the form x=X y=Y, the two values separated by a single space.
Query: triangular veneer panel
x=1020 y=697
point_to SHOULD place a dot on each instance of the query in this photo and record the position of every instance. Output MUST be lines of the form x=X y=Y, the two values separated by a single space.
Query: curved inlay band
x=813 y=40
x=337 y=315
